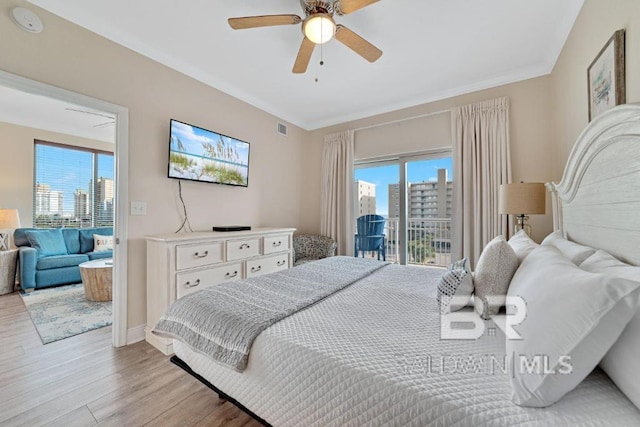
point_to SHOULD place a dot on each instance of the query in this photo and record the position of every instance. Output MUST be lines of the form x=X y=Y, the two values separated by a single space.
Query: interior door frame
x=121 y=164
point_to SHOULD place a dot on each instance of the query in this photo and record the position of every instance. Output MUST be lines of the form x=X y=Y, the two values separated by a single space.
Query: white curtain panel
x=481 y=162
x=336 y=219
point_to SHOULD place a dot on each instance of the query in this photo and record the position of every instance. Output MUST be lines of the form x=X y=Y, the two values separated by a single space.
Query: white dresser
x=178 y=264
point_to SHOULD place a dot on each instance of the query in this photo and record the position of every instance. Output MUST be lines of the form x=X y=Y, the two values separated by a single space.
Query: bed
x=371 y=353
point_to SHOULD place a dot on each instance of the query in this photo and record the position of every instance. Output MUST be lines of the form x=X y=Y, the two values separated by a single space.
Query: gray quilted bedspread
x=222 y=321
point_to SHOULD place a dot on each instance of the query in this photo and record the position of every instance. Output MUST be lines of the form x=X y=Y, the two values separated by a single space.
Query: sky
x=192 y=138
x=418 y=171
x=66 y=170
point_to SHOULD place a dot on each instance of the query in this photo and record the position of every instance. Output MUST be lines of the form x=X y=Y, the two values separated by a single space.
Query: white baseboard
x=135 y=334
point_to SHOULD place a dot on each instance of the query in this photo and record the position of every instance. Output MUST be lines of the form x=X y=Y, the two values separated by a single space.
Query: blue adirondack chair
x=370 y=236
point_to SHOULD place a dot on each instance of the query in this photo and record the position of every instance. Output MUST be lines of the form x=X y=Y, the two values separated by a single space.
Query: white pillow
x=455 y=287
x=522 y=244
x=493 y=274
x=576 y=252
x=572 y=319
x=623 y=358
x=102 y=243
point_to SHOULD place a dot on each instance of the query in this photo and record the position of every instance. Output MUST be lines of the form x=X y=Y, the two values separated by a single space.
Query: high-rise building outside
x=81 y=204
x=424 y=199
x=48 y=202
x=104 y=200
x=365 y=193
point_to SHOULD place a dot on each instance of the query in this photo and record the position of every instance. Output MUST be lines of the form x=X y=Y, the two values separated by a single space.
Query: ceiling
x=433 y=49
x=41 y=112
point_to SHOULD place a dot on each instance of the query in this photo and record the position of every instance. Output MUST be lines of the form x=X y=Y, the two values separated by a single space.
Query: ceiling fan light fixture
x=319 y=28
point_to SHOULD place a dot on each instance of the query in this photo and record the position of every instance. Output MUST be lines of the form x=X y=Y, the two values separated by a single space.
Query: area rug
x=63 y=311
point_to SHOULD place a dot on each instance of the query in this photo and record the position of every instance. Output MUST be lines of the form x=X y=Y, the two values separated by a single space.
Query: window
x=416 y=212
x=73 y=186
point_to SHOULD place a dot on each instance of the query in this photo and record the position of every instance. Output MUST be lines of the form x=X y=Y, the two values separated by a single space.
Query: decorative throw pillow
x=455 y=287
x=522 y=244
x=102 y=243
x=48 y=242
x=622 y=358
x=572 y=319
x=493 y=274
x=576 y=252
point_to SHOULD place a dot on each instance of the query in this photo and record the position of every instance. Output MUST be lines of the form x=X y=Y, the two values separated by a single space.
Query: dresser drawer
x=189 y=256
x=239 y=249
x=260 y=266
x=273 y=244
x=192 y=281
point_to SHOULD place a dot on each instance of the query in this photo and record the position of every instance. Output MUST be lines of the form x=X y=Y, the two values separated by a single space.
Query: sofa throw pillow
x=522 y=244
x=48 y=242
x=493 y=274
x=102 y=243
x=572 y=319
x=455 y=287
x=576 y=252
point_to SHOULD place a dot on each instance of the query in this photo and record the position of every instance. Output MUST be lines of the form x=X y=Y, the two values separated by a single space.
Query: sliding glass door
x=376 y=192
x=415 y=196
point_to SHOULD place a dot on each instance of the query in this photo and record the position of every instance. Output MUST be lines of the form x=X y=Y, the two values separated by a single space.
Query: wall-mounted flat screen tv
x=198 y=154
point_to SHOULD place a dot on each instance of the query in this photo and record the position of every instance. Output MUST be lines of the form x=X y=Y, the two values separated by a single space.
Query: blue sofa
x=48 y=259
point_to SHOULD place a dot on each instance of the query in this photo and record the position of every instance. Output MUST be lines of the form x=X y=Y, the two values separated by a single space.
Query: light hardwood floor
x=83 y=381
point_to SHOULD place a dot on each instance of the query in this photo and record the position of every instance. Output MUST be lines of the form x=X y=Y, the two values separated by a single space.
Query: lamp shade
x=319 y=28
x=525 y=198
x=9 y=219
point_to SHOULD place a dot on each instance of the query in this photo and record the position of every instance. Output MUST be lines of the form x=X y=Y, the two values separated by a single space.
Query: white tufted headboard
x=597 y=203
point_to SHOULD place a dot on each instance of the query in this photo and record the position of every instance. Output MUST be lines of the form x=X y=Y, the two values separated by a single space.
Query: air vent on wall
x=282 y=129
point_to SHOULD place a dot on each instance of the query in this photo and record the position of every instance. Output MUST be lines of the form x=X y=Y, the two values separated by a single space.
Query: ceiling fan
x=318 y=27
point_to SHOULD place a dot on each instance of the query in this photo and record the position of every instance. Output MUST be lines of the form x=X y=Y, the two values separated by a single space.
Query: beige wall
x=531 y=136
x=16 y=164
x=409 y=136
x=597 y=22
x=73 y=58
x=547 y=114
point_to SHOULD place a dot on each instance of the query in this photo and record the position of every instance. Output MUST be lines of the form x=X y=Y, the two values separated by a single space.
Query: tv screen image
x=202 y=155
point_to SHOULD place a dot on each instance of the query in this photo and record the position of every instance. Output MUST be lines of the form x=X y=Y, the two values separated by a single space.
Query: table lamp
x=9 y=221
x=522 y=199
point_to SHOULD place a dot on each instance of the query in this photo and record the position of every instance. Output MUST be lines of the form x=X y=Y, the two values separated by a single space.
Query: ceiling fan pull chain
x=321 y=62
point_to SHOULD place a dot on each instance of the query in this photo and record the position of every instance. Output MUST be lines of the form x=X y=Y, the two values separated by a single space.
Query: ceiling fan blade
x=357 y=44
x=348 y=6
x=263 y=21
x=304 y=56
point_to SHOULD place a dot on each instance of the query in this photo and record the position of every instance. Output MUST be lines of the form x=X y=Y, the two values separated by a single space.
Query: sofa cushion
x=59 y=261
x=72 y=240
x=99 y=255
x=86 y=237
x=48 y=242
x=20 y=236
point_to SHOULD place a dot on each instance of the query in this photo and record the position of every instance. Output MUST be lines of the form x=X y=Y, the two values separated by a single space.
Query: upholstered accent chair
x=311 y=247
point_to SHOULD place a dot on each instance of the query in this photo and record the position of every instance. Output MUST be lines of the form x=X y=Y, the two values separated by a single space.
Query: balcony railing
x=429 y=241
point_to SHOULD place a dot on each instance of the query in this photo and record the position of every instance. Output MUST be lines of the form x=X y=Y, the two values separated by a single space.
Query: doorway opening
x=70 y=210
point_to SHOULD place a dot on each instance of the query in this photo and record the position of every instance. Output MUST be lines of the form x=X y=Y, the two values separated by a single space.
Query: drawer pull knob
x=244 y=246
x=192 y=285
x=201 y=255
x=276 y=244
x=256 y=269
x=281 y=263
x=230 y=275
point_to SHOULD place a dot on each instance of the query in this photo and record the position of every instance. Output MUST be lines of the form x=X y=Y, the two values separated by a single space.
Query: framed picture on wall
x=606 y=77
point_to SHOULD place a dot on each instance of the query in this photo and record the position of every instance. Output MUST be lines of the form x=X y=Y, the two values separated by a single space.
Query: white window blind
x=73 y=186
